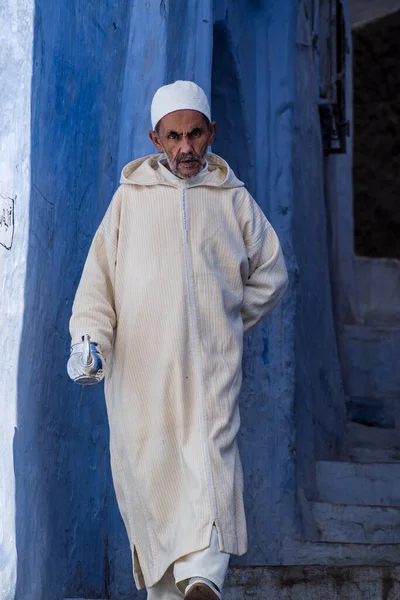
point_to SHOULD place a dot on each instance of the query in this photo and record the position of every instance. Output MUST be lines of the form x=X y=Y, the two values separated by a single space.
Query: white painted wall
x=362 y=11
x=16 y=35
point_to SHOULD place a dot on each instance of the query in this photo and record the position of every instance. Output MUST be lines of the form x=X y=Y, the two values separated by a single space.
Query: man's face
x=184 y=136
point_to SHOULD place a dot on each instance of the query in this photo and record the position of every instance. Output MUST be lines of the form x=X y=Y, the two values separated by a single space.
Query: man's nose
x=186 y=145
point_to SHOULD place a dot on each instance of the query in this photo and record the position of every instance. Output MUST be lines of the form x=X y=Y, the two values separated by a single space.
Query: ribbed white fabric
x=176 y=271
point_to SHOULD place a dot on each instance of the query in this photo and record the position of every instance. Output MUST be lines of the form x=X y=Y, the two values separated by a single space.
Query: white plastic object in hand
x=86 y=362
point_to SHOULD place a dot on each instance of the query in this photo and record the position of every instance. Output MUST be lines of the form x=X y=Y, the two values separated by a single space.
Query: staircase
x=359 y=498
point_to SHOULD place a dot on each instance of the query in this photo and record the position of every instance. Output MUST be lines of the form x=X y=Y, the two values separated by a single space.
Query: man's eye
x=195 y=133
x=172 y=136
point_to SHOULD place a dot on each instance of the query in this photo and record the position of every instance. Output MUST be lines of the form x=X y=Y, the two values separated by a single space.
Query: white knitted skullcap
x=178 y=96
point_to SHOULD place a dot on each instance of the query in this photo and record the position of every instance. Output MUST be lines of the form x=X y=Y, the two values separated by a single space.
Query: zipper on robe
x=196 y=361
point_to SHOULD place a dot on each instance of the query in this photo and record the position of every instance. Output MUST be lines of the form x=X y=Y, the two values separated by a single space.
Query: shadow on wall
x=249 y=104
x=64 y=496
x=233 y=144
x=320 y=403
x=232 y=140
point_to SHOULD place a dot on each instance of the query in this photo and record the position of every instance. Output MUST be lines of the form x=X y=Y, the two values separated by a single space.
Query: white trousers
x=210 y=563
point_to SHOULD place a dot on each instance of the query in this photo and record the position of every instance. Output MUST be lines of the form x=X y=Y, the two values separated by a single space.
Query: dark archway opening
x=376 y=171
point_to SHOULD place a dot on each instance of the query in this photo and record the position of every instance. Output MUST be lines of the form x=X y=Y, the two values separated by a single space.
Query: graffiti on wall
x=6 y=222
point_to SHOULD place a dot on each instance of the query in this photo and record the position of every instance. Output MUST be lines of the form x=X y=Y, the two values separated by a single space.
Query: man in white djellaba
x=182 y=264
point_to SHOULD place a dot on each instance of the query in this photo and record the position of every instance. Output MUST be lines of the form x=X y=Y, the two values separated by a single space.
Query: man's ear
x=211 y=136
x=153 y=135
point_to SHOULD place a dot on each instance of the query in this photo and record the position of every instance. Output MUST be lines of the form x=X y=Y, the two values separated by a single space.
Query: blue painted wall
x=64 y=496
x=253 y=101
x=95 y=69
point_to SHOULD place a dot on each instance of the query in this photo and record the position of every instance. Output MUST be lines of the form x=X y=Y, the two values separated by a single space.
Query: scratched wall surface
x=95 y=68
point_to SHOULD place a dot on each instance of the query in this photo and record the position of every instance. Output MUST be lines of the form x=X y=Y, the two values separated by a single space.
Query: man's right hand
x=86 y=362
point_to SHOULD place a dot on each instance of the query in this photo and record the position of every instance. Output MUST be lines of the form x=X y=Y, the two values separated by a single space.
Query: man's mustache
x=188 y=156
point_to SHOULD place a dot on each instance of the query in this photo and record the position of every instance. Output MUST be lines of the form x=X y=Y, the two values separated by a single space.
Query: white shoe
x=200 y=588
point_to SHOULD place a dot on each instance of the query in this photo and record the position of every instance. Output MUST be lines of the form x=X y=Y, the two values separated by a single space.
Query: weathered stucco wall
x=15 y=59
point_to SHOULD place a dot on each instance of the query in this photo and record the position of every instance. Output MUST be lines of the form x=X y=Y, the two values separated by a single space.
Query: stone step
x=303 y=552
x=373 y=437
x=374 y=455
x=374 y=484
x=378 y=286
x=374 y=412
x=346 y=524
x=312 y=583
x=305 y=582
x=372 y=361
